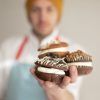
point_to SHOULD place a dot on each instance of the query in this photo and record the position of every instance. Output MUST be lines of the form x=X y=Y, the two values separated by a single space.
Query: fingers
x=70 y=79
x=32 y=70
x=65 y=82
x=73 y=73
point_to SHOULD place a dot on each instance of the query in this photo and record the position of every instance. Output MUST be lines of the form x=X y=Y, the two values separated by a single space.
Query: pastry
x=53 y=62
x=56 y=48
x=81 y=60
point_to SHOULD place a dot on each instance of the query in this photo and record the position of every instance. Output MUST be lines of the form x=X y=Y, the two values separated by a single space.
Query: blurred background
x=80 y=21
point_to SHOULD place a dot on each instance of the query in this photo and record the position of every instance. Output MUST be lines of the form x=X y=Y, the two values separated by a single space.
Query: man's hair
x=58 y=4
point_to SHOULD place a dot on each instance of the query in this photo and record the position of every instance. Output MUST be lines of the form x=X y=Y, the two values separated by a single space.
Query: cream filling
x=62 y=49
x=80 y=64
x=51 y=71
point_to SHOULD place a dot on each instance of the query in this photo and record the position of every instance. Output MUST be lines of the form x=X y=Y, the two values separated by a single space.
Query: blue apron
x=22 y=85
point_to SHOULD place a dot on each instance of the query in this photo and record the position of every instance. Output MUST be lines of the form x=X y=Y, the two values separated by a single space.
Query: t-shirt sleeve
x=2 y=74
x=5 y=65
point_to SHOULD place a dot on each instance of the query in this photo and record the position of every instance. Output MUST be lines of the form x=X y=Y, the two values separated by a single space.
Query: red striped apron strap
x=20 y=50
x=25 y=40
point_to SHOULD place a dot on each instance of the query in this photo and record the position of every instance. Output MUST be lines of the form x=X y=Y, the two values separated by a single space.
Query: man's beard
x=40 y=35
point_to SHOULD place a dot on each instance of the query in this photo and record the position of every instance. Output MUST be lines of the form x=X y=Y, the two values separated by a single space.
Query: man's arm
x=55 y=92
x=1 y=75
x=65 y=95
x=4 y=69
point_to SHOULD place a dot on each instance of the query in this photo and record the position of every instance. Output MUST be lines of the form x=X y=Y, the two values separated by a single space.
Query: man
x=44 y=17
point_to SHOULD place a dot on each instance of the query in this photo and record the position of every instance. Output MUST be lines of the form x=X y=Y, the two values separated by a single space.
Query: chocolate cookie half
x=54 y=62
x=81 y=60
x=56 y=48
x=54 y=69
x=50 y=74
x=51 y=69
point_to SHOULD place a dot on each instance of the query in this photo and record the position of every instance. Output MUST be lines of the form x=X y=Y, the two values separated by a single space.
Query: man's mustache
x=43 y=23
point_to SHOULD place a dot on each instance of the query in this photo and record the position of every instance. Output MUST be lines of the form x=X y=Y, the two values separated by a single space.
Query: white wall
x=81 y=22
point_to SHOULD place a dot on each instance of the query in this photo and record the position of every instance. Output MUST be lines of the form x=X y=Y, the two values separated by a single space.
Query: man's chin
x=45 y=33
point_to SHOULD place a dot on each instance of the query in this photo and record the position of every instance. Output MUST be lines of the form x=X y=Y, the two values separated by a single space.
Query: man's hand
x=55 y=92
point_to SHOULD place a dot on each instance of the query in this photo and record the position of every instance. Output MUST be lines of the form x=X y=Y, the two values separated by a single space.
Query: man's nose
x=43 y=15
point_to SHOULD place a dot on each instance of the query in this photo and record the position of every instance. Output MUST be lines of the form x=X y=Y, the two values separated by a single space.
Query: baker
x=17 y=56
